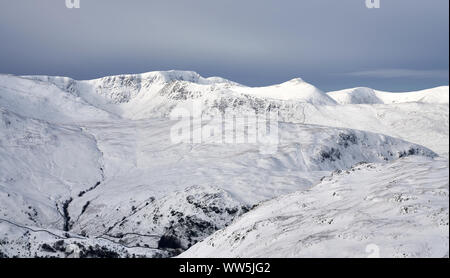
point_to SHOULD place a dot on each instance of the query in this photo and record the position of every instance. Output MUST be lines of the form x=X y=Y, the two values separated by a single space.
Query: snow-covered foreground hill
x=398 y=209
x=89 y=168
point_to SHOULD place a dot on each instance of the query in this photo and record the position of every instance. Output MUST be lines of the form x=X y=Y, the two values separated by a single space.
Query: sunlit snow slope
x=394 y=210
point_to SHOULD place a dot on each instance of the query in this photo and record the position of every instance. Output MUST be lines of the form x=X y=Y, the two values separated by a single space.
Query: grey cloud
x=254 y=42
x=398 y=73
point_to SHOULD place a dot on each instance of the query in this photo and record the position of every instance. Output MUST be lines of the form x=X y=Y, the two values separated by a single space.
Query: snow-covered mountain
x=157 y=94
x=89 y=167
x=141 y=96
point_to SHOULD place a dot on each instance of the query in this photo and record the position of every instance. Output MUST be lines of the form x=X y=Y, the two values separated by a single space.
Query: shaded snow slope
x=398 y=209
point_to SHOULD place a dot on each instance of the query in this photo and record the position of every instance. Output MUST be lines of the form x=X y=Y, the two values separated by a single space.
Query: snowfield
x=89 y=169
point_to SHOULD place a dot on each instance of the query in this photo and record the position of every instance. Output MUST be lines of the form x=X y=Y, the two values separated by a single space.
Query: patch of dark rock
x=232 y=210
x=89 y=189
x=205 y=208
x=47 y=248
x=176 y=213
x=59 y=246
x=169 y=242
x=83 y=210
x=67 y=224
x=331 y=155
x=98 y=252
x=411 y=151
x=347 y=139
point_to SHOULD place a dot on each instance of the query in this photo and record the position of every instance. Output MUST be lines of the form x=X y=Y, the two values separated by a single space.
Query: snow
x=95 y=157
x=156 y=94
x=295 y=89
x=41 y=166
x=44 y=100
x=349 y=212
x=369 y=96
x=356 y=96
x=422 y=123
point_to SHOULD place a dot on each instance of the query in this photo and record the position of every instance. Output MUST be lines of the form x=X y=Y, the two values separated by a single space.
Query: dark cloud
x=254 y=42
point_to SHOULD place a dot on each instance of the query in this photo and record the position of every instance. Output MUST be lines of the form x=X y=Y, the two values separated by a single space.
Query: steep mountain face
x=125 y=88
x=93 y=163
x=153 y=94
x=368 y=210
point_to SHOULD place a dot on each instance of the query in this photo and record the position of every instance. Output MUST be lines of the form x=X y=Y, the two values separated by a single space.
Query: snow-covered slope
x=99 y=181
x=46 y=101
x=356 y=96
x=139 y=96
x=361 y=95
x=92 y=162
x=420 y=117
x=157 y=94
x=295 y=89
x=422 y=123
x=398 y=209
x=41 y=166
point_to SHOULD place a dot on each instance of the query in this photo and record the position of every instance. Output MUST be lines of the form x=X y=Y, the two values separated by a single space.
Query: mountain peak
x=296 y=80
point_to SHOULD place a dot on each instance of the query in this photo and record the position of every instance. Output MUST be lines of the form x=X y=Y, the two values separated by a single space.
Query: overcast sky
x=403 y=45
